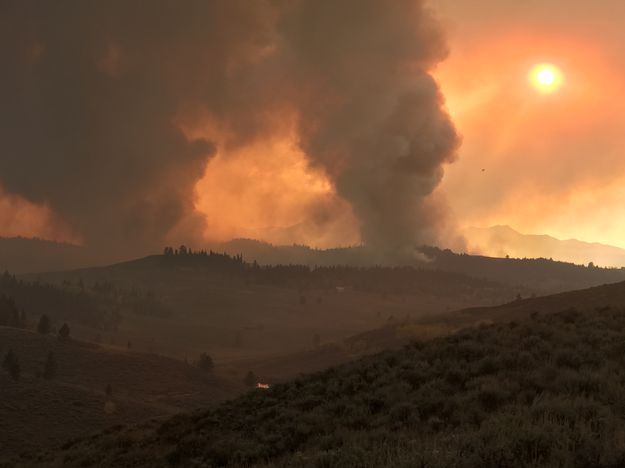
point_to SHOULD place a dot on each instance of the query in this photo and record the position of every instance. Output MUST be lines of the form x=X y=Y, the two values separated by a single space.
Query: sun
x=546 y=78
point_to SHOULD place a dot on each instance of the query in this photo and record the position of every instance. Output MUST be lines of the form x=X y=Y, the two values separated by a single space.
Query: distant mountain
x=24 y=255
x=527 y=269
x=499 y=241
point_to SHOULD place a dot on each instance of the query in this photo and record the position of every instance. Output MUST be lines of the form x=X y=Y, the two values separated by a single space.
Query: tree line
x=377 y=279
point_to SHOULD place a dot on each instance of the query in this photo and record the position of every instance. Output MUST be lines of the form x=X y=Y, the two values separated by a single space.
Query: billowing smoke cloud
x=372 y=115
x=97 y=95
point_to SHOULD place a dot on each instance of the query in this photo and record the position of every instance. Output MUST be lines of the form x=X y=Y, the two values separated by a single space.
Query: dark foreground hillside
x=546 y=392
x=90 y=389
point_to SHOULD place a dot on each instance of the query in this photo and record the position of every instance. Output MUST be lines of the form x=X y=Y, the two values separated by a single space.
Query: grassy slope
x=545 y=392
x=394 y=335
x=235 y=318
x=39 y=413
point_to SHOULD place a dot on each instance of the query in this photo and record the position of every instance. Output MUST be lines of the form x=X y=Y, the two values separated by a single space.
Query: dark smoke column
x=91 y=93
x=94 y=93
x=371 y=114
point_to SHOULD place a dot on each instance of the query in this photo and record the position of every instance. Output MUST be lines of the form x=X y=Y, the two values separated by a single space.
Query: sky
x=400 y=123
x=552 y=163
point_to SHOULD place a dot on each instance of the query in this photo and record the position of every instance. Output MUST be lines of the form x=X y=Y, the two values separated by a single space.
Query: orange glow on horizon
x=547 y=162
x=22 y=218
x=267 y=190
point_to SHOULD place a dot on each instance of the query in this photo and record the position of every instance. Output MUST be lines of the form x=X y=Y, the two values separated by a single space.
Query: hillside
x=99 y=307
x=541 y=273
x=21 y=255
x=545 y=275
x=499 y=241
x=239 y=311
x=540 y=393
x=394 y=335
x=74 y=403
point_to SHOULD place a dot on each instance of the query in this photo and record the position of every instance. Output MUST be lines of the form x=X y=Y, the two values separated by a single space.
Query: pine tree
x=15 y=370
x=44 y=325
x=250 y=379
x=23 y=319
x=206 y=362
x=49 y=369
x=11 y=365
x=64 y=332
x=9 y=358
x=316 y=341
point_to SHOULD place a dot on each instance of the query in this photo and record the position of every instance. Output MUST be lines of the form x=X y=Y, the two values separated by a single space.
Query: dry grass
x=35 y=412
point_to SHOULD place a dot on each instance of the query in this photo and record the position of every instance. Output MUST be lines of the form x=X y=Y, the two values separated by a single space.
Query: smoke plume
x=98 y=98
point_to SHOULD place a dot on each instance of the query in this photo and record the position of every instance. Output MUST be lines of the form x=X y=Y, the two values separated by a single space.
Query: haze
x=538 y=163
x=312 y=233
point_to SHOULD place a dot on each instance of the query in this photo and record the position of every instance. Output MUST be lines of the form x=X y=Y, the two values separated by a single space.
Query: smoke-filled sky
x=553 y=163
x=128 y=125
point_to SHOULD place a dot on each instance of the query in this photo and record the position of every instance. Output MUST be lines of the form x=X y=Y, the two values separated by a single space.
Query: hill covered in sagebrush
x=540 y=393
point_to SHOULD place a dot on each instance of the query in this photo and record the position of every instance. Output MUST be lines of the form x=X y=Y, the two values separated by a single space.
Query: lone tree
x=23 y=319
x=250 y=379
x=316 y=341
x=64 y=332
x=206 y=362
x=49 y=369
x=11 y=365
x=43 y=326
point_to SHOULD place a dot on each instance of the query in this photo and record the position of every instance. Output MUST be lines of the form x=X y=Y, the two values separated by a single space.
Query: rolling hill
x=543 y=392
x=238 y=310
x=394 y=335
x=397 y=334
x=541 y=273
x=74 y=402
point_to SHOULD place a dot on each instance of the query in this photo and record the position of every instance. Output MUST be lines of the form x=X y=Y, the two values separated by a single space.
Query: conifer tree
x=11 y=365
x=250 y=379
x=44 y=325
x=64 y=332
x=206 y=362
x=49 y=369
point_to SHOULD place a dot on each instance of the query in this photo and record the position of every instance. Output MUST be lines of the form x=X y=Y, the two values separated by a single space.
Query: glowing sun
x=546 y=77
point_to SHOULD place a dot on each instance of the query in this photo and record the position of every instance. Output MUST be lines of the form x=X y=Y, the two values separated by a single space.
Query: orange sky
x=20 y=217
x=552 y=163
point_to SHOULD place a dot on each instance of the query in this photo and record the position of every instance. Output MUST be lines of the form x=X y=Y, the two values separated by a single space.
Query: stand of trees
x=399 y=280
x=58 y=303
x=10 y=315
